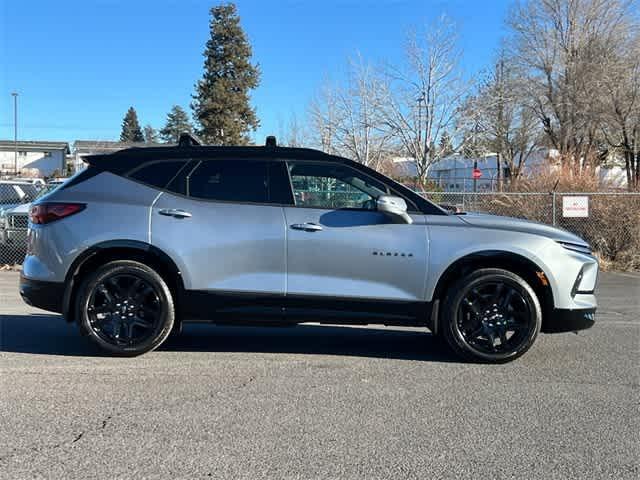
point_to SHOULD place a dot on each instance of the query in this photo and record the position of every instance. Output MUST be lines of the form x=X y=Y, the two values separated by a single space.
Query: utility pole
x=475 y=180
x=419 y=132
x=15 y=131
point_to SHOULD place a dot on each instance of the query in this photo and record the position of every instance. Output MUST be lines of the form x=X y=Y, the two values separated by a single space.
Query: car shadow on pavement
x=50 y=335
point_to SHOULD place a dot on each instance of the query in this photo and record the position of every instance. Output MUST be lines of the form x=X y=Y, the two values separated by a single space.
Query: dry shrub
x=613 y=225
x=628 y=261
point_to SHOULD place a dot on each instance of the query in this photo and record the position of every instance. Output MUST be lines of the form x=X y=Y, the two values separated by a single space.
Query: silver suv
x=148 y=238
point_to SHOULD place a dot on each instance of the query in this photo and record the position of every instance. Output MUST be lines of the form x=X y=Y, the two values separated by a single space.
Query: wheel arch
x=104 y=252
x=530 y=271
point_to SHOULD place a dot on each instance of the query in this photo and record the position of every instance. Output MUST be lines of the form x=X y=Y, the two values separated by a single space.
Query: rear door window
x=244 y=181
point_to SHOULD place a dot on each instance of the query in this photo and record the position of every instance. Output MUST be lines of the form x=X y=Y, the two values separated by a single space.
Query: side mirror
x=394 y=207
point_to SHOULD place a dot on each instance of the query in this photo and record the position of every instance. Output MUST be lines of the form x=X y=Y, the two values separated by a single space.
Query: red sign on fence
x=477 y=173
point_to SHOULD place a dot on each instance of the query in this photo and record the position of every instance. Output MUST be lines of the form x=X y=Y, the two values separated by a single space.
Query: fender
x=142 y=248
x=487 y=258
x=490 y=258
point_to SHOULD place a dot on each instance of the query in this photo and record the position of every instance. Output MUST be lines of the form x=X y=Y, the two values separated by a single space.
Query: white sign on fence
x=574 y=207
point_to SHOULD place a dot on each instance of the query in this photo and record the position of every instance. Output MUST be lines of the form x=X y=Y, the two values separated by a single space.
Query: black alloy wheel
x=126 y=308
x=493 y=316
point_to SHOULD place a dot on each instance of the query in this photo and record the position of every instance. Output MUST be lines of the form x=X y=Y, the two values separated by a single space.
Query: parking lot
x=319 y=402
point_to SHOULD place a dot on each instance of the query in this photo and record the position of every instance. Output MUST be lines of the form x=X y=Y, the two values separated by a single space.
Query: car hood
x=496 y=222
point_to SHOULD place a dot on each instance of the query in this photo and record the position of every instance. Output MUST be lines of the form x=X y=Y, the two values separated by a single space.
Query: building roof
x=33 y=145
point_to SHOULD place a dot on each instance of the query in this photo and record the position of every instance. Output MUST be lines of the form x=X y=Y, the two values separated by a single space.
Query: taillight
x=50 y=212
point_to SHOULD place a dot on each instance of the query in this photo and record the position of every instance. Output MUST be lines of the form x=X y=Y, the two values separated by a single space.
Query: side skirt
x=239 y=308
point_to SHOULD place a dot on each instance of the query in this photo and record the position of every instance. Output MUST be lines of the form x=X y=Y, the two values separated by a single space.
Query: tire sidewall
x=452 y=333
x=147 y=274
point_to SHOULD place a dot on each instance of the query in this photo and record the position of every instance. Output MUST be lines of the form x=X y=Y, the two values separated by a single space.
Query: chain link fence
x=609 y=221
x=15 y=197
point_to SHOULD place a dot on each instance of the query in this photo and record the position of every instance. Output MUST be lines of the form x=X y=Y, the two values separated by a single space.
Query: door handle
x=307 y=227
x=174 y=212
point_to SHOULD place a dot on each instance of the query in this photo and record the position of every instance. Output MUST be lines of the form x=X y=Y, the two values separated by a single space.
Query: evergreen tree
x=131 y=131
x=177 y=123
x=150 y=134
x=221 y=102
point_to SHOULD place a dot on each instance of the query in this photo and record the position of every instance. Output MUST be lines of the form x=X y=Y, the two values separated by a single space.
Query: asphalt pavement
x=319 y=402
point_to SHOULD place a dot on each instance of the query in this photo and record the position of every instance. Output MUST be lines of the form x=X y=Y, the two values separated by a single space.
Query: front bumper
x=564 y=320
x=44 y=295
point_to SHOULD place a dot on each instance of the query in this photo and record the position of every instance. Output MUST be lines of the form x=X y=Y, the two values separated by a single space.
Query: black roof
x=129 y=158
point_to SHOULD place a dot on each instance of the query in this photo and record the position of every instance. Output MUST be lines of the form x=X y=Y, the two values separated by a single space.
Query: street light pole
x=15 y=131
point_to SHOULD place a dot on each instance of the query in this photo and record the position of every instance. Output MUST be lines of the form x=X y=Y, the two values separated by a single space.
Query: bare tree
x=293 y=133
x=564 y=48
x=323 y=118
x=348 y=119
x=424 y=95
x=498 y=119
x=620 y=101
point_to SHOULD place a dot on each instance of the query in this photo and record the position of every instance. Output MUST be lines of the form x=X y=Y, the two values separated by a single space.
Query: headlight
x=577 y=247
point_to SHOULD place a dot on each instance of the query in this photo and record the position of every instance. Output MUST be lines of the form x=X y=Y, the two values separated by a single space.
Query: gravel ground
x=319 y=402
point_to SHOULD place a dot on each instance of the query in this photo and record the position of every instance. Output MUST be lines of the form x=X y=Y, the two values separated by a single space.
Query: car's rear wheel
x=126 y=308
x=491 y=315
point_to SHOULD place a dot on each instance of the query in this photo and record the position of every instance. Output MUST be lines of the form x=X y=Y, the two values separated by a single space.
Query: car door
x=339 y=248
x=219 y=223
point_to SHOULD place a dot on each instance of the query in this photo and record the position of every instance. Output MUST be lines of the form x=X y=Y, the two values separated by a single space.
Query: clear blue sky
x=79 y=64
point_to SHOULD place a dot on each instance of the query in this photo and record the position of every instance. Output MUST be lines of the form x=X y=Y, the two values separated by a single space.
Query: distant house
x=35 y=158
x=84 y=148
x=455 y=173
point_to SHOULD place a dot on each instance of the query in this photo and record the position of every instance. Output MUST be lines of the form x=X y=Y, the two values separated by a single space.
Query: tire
x=126 y=308
x=478 y=314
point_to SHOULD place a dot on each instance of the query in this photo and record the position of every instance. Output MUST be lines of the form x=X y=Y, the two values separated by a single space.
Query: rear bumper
x=564 y=320
x=45 y=295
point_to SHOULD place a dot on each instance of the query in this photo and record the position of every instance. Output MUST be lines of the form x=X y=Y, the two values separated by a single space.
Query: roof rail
x=188 y=140
x=270 y=142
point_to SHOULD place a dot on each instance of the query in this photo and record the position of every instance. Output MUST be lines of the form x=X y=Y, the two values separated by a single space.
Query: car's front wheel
x=126 y=308
x=491 y=315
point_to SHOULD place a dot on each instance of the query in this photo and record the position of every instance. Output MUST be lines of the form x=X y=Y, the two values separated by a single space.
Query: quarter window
x=333 y=186
x=158 y=173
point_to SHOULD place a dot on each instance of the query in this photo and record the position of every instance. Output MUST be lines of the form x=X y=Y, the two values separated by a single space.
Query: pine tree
x=131 y=131
x=221 y=102
x=177 y=123
x=150 y=134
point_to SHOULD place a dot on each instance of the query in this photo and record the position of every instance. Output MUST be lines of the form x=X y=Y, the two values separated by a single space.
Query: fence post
x=553 y=208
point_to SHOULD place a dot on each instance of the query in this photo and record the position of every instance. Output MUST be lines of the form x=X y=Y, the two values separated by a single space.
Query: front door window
x=333 y=186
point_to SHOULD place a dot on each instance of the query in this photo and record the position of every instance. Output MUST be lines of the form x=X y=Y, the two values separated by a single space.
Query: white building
x=34 y=158
x=455 y=173
x=85 y=148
